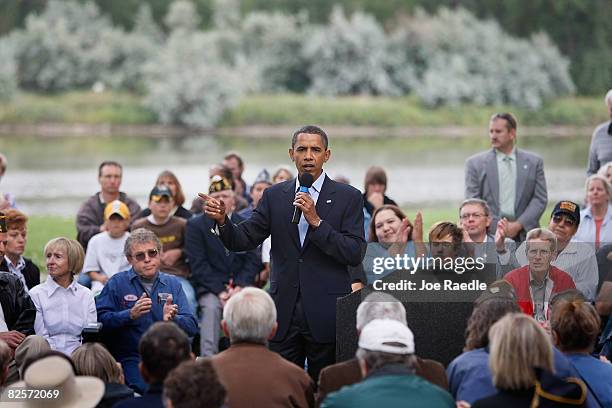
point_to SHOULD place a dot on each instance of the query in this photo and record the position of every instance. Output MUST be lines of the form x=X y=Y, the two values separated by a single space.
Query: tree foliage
x=462 y=59
x=188 y=83
x=71 y=45
x=8 y=70
x=348 y=56
x=272 y=43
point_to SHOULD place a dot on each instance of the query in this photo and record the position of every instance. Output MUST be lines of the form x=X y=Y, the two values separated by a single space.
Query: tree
x=68 y=46
x=272 y=43
x=8 y=69
x=459 y=58
x=348 y=57
x=188 y=83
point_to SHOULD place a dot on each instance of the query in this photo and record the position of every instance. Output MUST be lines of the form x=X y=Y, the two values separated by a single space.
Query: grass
x=43 y=228
x=291 y=109
x=76 y=107
x=405 y=111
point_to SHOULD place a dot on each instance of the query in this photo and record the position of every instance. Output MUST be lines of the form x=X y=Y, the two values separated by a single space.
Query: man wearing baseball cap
x=171 y=232
x=104 y=256
x=216 y=272
x=574 y=257
x=386 y=357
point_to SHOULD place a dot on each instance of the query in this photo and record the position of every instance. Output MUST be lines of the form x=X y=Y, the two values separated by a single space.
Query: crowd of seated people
x=152 y=283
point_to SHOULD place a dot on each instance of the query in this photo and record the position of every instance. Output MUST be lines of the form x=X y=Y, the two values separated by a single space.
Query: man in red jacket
x=537 y=282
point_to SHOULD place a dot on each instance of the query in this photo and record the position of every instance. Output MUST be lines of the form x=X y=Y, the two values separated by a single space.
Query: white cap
x=388 y=336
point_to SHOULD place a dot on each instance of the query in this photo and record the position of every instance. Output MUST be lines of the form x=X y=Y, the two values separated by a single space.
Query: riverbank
x=108 y=113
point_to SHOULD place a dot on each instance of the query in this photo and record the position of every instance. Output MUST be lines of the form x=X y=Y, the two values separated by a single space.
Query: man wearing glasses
x=475 y=218
x=574 y=257
x=538 y=281
x=133 y=300
x=90 y=218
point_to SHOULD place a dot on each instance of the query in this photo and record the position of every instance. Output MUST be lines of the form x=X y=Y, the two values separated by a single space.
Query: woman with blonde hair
x=281 y=174
x=596 y=219
x=606 y=171
x=93 y=359
x=63 y=306
x=520 y=352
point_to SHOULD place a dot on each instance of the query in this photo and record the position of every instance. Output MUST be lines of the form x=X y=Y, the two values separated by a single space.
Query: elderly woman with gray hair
x=596 y=219
x=522 y=360
x=249 y=319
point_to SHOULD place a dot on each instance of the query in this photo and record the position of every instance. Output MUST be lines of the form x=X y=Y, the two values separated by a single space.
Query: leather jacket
x=19 y=311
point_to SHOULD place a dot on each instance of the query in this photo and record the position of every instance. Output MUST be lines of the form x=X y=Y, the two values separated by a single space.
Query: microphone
x=306 y=181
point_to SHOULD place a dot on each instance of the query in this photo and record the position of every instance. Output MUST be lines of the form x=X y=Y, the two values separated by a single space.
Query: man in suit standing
x=509 y=179
x=310 y=261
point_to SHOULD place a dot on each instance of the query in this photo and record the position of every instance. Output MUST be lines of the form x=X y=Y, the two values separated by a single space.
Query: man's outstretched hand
x=213 y=208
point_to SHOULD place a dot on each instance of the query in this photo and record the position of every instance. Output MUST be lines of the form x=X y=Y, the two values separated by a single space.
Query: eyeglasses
x=568 y=221
x=141 y=256
x=538 y=252
x=468 y=215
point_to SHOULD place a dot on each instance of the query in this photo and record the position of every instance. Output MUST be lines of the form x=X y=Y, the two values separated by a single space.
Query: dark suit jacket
x=211 y=264
x=31 y=273
x=318 y=271
x=19 y=311
x=336 y=376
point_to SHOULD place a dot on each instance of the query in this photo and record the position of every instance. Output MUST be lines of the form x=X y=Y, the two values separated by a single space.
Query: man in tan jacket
x=253 y=375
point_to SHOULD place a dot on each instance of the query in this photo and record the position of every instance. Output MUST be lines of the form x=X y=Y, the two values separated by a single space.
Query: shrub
x=348 y=57
x=65 y=47
x=132 y=51
x=189 y=83
x=272 y=42
x=459 y=58
x=8 y=69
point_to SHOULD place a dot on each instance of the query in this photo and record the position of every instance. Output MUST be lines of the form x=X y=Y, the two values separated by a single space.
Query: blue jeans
x=132 y=375
x=190 y=294
x=85 y=280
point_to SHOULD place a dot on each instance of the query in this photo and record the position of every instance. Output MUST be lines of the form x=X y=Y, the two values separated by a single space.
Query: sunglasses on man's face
x=141 y=256
x=568 y=221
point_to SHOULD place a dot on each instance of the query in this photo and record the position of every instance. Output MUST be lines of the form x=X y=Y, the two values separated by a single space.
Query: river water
x=53 y=175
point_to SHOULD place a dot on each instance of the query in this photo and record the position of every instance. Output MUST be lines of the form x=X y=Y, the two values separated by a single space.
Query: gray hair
x=140 y=236
x=601 y=178
x=380 y=305
x=250 y=316
x=379 y=359
x=544 y=235
x=603 y=170
x=608 y=97
x=482 y=203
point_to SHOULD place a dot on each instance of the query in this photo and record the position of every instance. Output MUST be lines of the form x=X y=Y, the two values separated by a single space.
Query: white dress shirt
x=62 y=313
x=587 y=229
x=17 y=269
x=313 y=191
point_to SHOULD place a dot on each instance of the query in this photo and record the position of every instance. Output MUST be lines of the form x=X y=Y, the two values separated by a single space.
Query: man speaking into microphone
x=310 y=259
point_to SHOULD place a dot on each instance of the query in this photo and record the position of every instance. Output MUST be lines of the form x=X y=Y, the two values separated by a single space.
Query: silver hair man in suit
x=509 y=179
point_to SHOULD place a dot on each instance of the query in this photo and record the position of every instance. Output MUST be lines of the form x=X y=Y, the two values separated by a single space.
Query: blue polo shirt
x=121 y=293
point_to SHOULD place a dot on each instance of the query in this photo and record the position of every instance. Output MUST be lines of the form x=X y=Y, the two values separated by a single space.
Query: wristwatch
x=319 y=224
